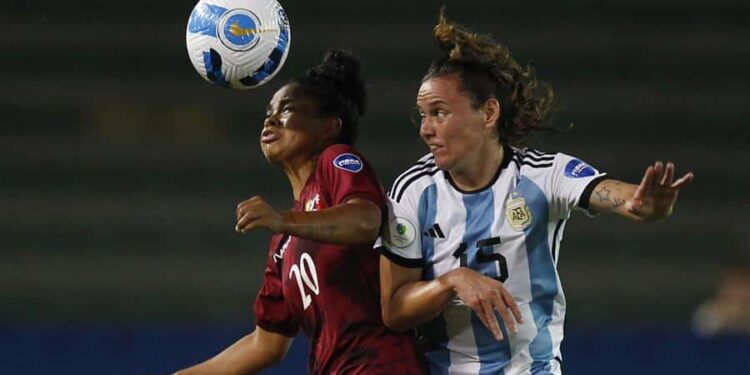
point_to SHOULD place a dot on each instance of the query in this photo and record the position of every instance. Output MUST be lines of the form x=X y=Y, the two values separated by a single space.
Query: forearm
x=611 y=196
x=417 y=302
x=249 y=355
x=355 y=222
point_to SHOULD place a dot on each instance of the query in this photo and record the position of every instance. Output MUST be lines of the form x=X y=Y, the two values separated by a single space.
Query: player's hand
x=256 y=213
x=486 y=295
x=655 y=197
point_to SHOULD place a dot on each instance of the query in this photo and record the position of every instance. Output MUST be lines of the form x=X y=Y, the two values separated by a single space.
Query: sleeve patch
x=401 y=233
x=348 y=162
x=578 y=169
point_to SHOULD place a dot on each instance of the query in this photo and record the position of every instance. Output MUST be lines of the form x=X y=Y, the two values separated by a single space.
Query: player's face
x=449 y=124
x=292 y=129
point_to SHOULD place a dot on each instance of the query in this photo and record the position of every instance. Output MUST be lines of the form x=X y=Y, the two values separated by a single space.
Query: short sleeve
x=271 y=311
x=346 y=174
x=573 y=181
x=400 y=240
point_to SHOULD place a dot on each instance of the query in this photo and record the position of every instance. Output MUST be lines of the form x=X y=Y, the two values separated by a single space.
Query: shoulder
x=339 y=148
x=529 y=159
x=415 y=178
x=343 y=157
x=532 y=162
x=548 y=168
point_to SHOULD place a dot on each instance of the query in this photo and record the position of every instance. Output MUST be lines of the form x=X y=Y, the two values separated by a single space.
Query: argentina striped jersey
x=511 y=231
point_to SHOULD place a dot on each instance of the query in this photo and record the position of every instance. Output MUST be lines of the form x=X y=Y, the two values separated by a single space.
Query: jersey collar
x=507 y=157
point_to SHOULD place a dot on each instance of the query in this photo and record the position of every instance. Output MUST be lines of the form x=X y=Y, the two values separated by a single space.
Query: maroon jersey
x=332 y=291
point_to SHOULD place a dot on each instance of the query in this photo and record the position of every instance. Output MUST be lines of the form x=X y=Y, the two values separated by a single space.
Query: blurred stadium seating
x=121 y=169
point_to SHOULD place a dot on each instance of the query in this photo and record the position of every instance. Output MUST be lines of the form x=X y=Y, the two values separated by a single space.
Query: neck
x=478 y=170
x=299 y=173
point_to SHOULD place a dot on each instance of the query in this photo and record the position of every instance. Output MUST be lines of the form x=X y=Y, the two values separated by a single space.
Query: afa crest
x=517 y=213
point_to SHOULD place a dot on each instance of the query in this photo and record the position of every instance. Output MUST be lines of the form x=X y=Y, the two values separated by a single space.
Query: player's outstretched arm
x=249 y=355
x=357 y=221
x=652 y=200
x=407 y=301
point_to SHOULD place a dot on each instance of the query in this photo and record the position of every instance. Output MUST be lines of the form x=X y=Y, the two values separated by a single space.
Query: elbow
x=366 y=226
x=274 y=355
x=393 y=323
x=368 y=232
x=397 y=327
x=276 y=358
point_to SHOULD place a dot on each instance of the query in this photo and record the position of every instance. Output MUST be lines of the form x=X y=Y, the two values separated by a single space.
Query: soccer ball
x=238 y=44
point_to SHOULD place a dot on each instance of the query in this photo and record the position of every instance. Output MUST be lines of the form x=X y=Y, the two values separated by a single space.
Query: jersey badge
x=401 y=232
x=348 y=162
x=517 y=213
x=578 y=169
x=313 y=204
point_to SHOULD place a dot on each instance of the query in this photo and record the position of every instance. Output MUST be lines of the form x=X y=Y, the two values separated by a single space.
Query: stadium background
x=121 y=170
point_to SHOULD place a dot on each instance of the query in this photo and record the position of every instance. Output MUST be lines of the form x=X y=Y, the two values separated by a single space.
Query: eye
x=417 y=116
x=438 y=113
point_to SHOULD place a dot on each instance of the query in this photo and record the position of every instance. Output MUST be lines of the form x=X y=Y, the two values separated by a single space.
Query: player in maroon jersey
x=321 y=275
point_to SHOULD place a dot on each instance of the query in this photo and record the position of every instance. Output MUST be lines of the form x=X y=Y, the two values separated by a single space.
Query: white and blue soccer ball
x=239 y=44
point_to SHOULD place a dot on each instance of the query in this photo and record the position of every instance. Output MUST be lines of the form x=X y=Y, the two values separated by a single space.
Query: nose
x=426 y=130
x=271 y=120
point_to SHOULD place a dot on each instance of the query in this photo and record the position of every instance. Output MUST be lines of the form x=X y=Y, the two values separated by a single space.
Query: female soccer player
x=321 y=273
x=475 y=226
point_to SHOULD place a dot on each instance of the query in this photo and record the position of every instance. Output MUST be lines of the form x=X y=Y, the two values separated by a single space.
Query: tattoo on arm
x=604 y=195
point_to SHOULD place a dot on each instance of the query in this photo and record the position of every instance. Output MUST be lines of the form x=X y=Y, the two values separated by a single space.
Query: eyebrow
x=433 y=102
x=282 y=103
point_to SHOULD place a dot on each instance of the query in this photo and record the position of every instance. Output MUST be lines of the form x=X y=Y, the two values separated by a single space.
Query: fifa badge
x=401 y=233
x=517 y=213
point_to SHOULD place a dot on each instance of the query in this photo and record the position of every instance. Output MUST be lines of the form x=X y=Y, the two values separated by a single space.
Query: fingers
x=501 y=302
x=487 y=297
x=243 y=206
x=668 y=175
x=658 y=173
x=245 y=223
x=683 y=181
x=511 y=303
x=248 y=213
x=666 y=178
x=490 y=320
x=503 y=310
x=648 y=177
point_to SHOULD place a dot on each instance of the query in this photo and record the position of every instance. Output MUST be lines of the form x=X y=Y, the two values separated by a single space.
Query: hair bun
x=342 y=70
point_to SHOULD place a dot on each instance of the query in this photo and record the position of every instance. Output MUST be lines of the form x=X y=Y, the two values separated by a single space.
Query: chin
x=443 y=163
x=270 y=154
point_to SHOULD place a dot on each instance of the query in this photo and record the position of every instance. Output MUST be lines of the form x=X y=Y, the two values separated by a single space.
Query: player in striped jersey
x=474 y=228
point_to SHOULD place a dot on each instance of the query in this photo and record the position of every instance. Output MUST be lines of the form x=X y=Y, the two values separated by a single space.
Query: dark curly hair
x=338 y=87
x=488 y=70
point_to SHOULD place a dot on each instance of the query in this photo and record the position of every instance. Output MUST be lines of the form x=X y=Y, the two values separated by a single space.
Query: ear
x=331 y=128
x=492 y=112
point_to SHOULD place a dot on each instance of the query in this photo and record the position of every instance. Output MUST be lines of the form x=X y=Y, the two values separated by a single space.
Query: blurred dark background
x=121 y=168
